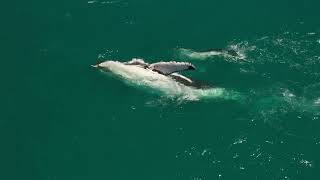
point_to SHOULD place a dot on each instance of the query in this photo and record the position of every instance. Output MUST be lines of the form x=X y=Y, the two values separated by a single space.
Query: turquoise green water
x=61 y=119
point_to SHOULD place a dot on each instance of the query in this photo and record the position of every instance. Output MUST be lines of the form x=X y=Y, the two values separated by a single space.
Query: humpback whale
x=164 y=77
x=167 y=70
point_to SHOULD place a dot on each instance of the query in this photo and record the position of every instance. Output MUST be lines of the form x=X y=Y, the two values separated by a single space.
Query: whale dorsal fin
x=136 y=61
x=167 y=68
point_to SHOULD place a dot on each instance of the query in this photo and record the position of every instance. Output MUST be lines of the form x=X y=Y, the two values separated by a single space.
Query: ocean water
x=62 y=119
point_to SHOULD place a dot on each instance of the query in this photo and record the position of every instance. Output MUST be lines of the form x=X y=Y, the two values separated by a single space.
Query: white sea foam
x=103 y=2
x=91 y=2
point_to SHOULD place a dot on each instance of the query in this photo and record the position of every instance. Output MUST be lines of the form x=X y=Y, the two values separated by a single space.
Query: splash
x=116 y=3
x=103 y=2
x=289 y=63
x=299 y=52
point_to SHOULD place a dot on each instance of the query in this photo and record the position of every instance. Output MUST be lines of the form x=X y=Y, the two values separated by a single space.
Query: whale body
x=162 y=76
x=167 y=69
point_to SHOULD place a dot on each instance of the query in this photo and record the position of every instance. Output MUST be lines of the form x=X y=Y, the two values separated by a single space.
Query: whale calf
x=227 y=53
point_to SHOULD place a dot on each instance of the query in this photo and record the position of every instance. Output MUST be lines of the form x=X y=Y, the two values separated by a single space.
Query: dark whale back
x=188 y=82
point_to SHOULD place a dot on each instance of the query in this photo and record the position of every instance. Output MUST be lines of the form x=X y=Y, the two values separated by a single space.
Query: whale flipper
x=189 y=82
x=167 y=68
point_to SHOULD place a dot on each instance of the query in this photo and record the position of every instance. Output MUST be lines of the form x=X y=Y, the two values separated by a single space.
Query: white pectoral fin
x=171 y=67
